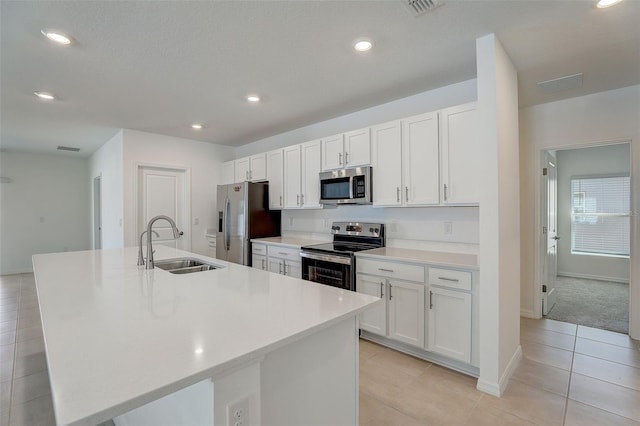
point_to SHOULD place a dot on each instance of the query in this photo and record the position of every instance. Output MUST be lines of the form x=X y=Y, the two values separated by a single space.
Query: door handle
x=301 y=199
x=280 y=267
x=246 y=173
x=381 y=289
x=340 y=158
x=227 y=239
x=398 y=193
x=445 y=192
x=262 y=264
x=406 y=191
x=556 y=238
x=430 y=299
x=297 y=199
x=390 y=287
x=281 y=201
x=346 y=158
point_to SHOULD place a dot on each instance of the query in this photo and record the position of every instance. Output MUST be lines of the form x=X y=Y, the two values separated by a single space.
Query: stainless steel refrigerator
x=243 y=214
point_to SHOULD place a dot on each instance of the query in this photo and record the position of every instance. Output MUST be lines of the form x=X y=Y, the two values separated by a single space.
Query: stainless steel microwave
x=346 y=186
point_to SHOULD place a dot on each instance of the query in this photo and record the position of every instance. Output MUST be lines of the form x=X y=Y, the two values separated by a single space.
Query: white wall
x=609 y=159
x=499 y=216
x=106 y=162
x=610 y=116
x=431 y=100
x=202 y=158
x=44 y=209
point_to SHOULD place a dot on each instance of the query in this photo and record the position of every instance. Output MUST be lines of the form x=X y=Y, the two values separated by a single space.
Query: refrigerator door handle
x=227 y=240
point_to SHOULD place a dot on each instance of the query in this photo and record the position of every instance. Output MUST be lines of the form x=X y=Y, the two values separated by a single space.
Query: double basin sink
x=185 y=265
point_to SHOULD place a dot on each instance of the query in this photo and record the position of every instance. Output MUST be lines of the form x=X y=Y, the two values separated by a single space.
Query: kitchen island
x=149 y=346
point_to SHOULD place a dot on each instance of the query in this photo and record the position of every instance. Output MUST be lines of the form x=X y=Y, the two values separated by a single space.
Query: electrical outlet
x=238 y=413
x=448 y=228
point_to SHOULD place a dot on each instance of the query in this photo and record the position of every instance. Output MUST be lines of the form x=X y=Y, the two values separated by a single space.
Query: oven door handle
x=326 y=258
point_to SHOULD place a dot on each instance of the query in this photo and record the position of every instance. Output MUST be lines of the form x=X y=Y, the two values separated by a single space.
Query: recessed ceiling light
x=253 y=98
x=363 y=45
x=196 y=126
x=56 y=36
x=45 y=95
x=602 y=4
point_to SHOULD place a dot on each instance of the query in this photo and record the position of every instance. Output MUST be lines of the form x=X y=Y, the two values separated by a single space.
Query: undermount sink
x=185 y=265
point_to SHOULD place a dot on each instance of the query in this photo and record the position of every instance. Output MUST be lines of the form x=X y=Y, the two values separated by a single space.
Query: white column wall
x=106 y=162
x=499 y=216
x=605 y=117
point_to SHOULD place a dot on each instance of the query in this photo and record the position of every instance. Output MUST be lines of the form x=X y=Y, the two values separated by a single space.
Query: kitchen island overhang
x=118 y=337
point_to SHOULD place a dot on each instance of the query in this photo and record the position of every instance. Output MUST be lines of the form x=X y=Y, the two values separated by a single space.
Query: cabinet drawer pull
x=385 y=270
x=284 y=253
x=262 y=264
x=280 y=267
x=455 y=280
x=430 y=299
x=297 y=199
x=390 y=296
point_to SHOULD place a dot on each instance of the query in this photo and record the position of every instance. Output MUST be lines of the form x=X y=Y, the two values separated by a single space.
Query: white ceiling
x=160 y=66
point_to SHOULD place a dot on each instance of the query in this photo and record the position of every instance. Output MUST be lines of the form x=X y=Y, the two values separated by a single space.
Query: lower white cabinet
x=401 y=315
x=450 y=323
x=429 y=307
x=277 y=258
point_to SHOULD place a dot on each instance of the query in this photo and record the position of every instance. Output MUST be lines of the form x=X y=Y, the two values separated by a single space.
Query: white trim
x=527 y=313
x=498 y=389
x=593 y=277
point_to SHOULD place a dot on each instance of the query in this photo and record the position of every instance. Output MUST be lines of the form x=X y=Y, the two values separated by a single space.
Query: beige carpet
x=593 y=303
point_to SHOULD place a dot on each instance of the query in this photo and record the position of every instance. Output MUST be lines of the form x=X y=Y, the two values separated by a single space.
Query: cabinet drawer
x=283 y=252
x=450 y=278
x=401 y=271
x=259 y=249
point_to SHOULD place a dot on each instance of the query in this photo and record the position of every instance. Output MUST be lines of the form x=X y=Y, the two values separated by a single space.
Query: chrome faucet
x=140 y=256
x=176 y=234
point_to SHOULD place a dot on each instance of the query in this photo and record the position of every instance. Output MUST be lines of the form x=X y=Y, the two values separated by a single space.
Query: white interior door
x=164 y=191
x=550 y=233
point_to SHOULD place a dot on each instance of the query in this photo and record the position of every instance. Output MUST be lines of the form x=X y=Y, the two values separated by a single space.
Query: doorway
x=586 y=233
x=164 y=191
x=97 y=212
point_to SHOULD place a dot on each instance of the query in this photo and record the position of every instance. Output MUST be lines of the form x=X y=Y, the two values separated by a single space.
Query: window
x=600 y=215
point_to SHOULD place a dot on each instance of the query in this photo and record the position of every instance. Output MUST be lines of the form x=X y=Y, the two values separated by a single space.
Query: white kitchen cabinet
x=301 y=176
x=284 y=260
x=350 y=149
x=387 y=164
x=259 y=256
x=460 y=155
x=401 y=314
x=253 y=168
x=449 y=313
x=228 y=173
x=373 y=319
x=275 y=176
x=420 y=160
x=406 y=312
x=405 y=162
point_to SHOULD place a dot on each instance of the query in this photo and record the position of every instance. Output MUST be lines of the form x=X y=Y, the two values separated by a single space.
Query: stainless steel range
x=334 y=263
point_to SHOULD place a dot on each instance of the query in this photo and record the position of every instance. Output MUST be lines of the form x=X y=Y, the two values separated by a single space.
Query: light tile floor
x=569 y=375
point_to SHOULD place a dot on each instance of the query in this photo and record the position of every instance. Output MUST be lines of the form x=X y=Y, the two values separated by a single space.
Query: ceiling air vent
x=419 y=7
x=560 y=84
x=68 y=148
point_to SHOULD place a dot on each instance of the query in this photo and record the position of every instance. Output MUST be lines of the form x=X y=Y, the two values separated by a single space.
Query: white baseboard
x=593 y=277
x=497 y=389
x=528 y=313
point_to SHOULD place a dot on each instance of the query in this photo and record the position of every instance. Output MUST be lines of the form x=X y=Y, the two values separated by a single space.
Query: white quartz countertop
x=118 y=336
x=461 y=260
x=293 y=242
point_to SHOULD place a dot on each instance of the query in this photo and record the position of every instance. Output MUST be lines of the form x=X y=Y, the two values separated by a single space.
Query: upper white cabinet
x=350 y=149
x=253 y=168
x=301 y=170
x=460 y=153
x=420 y=160
x=405 y=162
x=228 y=174
x=275 y=171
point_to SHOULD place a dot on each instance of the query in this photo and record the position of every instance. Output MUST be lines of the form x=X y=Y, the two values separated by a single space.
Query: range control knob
x=376 y=230
x=335 y=228
x=371 y=230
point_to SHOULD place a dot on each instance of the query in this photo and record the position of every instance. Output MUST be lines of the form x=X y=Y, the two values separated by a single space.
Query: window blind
x=600 y=220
